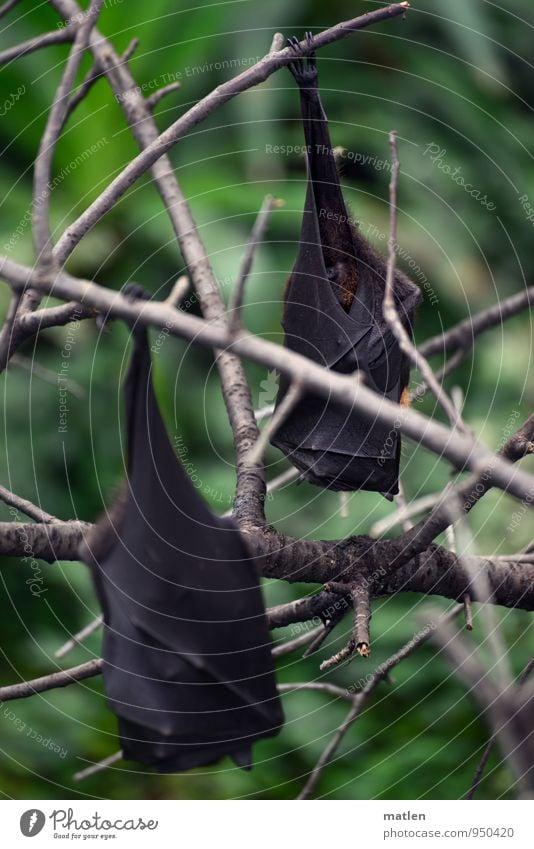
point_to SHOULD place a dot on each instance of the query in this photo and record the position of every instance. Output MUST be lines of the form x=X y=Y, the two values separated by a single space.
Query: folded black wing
x=187 y=655
x=332 y=445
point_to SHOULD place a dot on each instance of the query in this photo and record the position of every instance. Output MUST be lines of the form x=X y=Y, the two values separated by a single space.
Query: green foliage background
x=454 y=75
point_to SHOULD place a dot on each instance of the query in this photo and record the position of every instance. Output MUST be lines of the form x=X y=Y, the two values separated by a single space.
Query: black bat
x=187 y=657
x=333 y=315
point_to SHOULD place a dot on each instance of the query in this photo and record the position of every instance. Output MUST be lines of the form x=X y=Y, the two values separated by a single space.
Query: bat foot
x=304 y=72
x=135 y=292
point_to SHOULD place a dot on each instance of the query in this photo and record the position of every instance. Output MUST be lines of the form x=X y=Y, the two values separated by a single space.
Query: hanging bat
x=333 y=315
x=187 y=658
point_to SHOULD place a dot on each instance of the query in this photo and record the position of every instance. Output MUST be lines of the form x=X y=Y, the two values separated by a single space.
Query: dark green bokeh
x=454 y=80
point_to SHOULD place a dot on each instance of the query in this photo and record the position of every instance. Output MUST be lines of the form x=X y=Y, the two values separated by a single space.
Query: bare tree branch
x=79 y=637
x=161 y=144
x=292 y=397
x=413 y=542
x=296 y=643
x=508 y=710
x=51 y=682
x=256 y=237
x=462 y=335
x=319 y=687
x=477 y=778
x=47 y=375
x=95 y=768
x=250 y=492
x=158 y=95
x=6 y=7
x=460 y=449
x=49 y=139
x=57 y=36
x=404 y=513
x=25 y=506
x=93 y=75
x=362 y=696
x=389 y=309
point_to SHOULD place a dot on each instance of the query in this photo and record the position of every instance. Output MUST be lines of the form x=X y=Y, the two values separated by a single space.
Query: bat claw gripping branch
x=305 y=73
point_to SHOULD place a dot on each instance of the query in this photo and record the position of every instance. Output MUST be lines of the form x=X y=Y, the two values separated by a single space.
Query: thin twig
x=515 y=558
x=25 y=506
x=7 y=331
x=52 y=681
x=412 y=543
x=359 y=590
x=403 y=514
x=452 y=363
x=264 y=412
x=280 y=480
x=6 y=7
x=504 y=705
x=319 y=687
x=390 y=310
x=79 y=637
x=343 y=505
x=153 y=100
x=256 y=237
x=49 y=139
x=179 y=291
x=463 y=334
x=92 y=76
x=468 y=608
x=57 y=36
x=100 y=766
x=477 y=778
x=329 y=626
x=277 y=43
x=33 y=322
x=361 y=600
x=48 y=376
x=292 y=397
x=161 y=144
x=361 y=697
x=402 y=504
x=468 y=612
x=296 y=643
x=346 y=653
